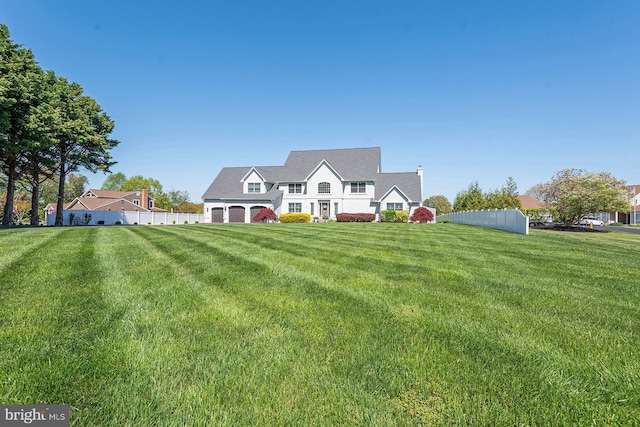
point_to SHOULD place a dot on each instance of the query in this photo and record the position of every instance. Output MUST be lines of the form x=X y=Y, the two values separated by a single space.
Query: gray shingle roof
x=228 y=184
x=352 y=164
x=407 y=182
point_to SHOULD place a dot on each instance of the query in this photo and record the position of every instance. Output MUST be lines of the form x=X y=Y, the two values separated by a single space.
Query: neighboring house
x=529 y=202
x=633 y=216
x=108 y=200
x=321 y=183
x=535 y=209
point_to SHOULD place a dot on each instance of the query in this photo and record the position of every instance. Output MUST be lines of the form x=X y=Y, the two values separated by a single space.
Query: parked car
x=587 y=220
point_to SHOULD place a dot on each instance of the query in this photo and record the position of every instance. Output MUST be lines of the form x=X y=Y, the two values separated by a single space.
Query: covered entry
x=325 y=211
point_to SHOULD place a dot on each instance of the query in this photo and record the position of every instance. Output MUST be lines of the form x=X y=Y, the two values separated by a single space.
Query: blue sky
x=470 y=90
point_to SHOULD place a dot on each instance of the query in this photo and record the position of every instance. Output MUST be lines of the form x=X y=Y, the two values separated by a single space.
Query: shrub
x=186 y=221
x=616 y=224
x=264 y=215
x=402 y=216
x=118 y=222
x=444 y=221
x=72 y=215
x=422 y=214
x=295 y=217
x=391 y=215
x=356 y=217
x=388 y=215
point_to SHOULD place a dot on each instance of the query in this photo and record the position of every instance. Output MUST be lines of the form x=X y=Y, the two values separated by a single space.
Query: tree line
x=48 y=129
x=473 y=198
x=570 y=195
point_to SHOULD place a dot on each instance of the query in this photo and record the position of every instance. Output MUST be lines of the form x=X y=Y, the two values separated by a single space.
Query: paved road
x=634 y=230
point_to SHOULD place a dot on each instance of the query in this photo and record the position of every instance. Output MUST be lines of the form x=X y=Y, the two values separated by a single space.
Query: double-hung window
x=358 y=187
x=295 y=188
x=295 y=207
x=394 y=206
x=253 y=187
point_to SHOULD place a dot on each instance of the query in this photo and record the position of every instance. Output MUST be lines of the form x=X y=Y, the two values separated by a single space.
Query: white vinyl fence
x=503 y=219
x=83 y=217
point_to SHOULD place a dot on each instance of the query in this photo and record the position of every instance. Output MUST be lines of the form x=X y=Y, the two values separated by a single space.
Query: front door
x=324 y=209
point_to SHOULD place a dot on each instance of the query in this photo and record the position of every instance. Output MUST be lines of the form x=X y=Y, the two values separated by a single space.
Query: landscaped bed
x=345 y=324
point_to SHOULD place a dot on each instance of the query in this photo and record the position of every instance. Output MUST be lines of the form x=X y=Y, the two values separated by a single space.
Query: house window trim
x=295 y=207
x=360 y=187
x=254 y=187
x=324 y=187
x=395 y=206
x=296 y=187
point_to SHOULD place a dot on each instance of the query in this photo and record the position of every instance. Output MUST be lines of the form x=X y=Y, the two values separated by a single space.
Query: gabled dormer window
x=324 y=188
x=253 y=187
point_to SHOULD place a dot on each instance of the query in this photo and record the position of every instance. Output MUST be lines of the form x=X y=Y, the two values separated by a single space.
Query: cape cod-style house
x=321 y=183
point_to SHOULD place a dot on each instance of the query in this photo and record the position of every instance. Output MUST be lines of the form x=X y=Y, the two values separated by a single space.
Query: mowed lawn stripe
x=54 y=328
x=554 y=338
x=478 y=317
x=351 y=324
x=309 y=317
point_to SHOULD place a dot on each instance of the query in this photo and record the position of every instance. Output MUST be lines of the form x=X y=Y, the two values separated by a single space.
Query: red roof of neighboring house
x=529 y=202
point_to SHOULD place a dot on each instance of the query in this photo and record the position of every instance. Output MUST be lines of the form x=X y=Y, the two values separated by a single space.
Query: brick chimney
x=144 y=202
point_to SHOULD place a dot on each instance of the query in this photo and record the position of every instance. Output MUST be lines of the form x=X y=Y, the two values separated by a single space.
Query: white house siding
x=340 y=195
x=395 y=196
x=338 y=168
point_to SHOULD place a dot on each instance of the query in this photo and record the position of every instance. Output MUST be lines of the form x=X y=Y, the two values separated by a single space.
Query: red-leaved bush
x=355 y=217
x=265 y=214
x=421 y=214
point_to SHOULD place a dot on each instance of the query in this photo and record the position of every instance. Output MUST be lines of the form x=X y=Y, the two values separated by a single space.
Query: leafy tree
x=39 y=148
x=469 y=199
x=18 y=94
x=74 y=187
x=114 y=182
x=265 y=214
x=503 y=198
x=190 y=207
x=422 y=215
x=139 y=183
x=177 y=198
x=440 y=202
x=81 y=130
x=574 y=193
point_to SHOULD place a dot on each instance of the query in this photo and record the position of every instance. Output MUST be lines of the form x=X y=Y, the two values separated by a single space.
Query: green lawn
x=321 y=324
